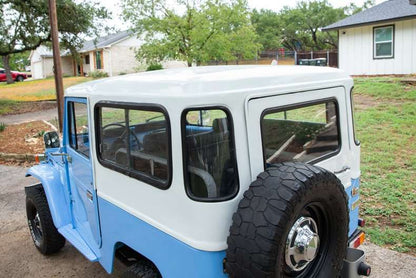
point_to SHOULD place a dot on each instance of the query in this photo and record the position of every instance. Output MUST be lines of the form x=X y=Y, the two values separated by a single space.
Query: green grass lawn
x=386 y=127
x=13 y=96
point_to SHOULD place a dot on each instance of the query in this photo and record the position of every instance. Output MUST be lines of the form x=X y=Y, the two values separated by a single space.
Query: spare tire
x=292 y=222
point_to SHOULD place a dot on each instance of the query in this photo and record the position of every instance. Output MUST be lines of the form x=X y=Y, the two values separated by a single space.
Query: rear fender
x=54 y=189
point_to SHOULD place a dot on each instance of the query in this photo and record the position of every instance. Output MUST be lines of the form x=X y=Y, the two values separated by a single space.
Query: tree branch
x=31 y=47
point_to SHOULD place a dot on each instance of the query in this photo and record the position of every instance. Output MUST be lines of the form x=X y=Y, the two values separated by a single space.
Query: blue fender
x=54 y=191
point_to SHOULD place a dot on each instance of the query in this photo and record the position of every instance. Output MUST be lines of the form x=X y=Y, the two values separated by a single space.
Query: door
x=37 y=71
x=308 y=127
x=84 y=201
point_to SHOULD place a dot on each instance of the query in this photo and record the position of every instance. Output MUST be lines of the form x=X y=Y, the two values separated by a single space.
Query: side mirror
x=51 y=140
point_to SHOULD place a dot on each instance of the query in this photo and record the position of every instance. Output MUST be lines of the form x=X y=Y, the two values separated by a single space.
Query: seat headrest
x=220 y=125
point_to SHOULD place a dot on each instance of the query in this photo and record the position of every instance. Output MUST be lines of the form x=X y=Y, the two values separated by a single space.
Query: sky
x=275 y=5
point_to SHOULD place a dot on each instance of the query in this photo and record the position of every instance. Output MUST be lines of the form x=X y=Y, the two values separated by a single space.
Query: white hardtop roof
x=206 y=81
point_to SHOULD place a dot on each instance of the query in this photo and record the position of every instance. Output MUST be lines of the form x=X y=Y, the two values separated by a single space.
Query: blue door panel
x=172 y=257
x=80 y=176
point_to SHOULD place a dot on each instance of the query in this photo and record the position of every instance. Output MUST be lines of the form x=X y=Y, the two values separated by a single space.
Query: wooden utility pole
x=57 y=62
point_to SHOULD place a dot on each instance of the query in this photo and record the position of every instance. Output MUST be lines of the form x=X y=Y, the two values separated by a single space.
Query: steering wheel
x=123 y=134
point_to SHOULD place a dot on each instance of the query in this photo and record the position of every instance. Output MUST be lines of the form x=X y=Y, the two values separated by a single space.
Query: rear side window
x=135 y=141
x=209 y=155
x=303 y=133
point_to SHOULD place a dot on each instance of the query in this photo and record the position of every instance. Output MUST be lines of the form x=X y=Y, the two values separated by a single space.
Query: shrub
x=154 y=67
x=98 y=74
x=2 y=127
x=122 y=73
x=39 y=134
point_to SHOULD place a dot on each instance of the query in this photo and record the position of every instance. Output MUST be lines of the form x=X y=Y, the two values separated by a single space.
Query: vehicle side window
x=2 y=71
x=78 y=128
x=135 y=141
x=210 y=166
x=302 y=133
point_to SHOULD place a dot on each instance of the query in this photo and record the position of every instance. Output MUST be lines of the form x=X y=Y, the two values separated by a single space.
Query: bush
x=98 y=74
x=2 y=127
x=39 y=134
x=122 y=73
x=154 y=67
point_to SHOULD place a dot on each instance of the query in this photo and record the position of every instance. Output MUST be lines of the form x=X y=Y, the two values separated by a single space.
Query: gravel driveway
x=19 y=258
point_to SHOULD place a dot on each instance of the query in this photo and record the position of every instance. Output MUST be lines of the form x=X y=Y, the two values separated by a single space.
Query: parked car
x=240 y=171
x=16 y=75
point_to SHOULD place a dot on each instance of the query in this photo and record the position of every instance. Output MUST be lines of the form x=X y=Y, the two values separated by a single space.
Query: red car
x=17 y=76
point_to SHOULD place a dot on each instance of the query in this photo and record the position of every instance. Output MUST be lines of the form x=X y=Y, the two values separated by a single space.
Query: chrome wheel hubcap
x=37 y=223
x=36 y=229
x=302 y=244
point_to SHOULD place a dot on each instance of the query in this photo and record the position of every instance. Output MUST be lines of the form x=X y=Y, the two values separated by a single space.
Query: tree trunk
x=6 y=65
x=315 y=39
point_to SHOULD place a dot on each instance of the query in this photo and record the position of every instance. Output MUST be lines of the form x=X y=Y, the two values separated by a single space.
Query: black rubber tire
x=20 y=78
x=141 y=269
x=271 y=205
x=49 y=241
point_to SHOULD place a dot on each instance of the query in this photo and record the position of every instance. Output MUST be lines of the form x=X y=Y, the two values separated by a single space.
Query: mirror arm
x=68 y=157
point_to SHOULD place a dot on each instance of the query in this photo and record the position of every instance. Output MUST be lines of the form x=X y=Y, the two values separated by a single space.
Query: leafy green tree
x=302 y=25
x=18 y=61
x=268 y=27
x=353 y=8
x=24 y=25
x=197 y=31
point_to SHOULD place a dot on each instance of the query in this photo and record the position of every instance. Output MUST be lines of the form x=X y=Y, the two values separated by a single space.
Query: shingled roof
x=386 y=11
x=104 y=41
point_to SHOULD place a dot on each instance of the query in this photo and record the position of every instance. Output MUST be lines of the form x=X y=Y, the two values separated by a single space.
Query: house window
x=210 y=166
x=87 y=59
x=384 y=42
x=99 y=59
x=300 y=133
x=134 y=140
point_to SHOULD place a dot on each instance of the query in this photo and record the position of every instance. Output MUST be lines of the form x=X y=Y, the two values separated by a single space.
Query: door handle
x=344 y=169
x=89 y=195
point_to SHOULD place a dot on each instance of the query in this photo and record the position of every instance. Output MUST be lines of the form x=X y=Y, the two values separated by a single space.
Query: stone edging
x=15 y=157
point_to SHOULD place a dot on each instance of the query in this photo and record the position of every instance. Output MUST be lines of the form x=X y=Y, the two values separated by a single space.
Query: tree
x=205 y=30
x=18 y=61
x=24 y=25
x=353 y=9
x=304 y=23
x=268 y=25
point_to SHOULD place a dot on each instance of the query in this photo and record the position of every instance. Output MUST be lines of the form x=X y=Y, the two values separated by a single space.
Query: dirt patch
x=27 y=107
x=26 y=138
x=363 y=102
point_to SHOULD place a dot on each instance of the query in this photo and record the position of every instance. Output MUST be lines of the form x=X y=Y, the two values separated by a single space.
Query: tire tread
x=255 y=229
x=53 y=241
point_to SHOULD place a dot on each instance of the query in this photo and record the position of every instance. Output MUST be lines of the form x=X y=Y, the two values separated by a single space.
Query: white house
x=41 y=63
x=379 y=40
x=113 y=54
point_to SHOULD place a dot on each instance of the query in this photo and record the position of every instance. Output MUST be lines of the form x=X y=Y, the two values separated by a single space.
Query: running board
x=75 y=239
